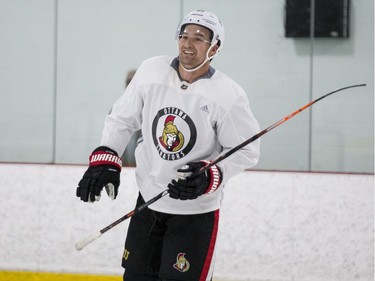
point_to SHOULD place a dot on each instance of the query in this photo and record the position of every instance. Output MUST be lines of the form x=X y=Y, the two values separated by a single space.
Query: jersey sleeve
x=238 y=125
x=125 y=117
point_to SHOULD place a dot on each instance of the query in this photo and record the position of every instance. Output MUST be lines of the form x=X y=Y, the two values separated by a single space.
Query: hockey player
x=189 y=114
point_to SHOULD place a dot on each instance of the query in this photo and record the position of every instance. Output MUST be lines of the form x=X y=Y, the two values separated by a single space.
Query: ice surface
x=274 y=225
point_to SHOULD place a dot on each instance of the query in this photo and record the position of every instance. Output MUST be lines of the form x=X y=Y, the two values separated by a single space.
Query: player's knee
x=139 y=277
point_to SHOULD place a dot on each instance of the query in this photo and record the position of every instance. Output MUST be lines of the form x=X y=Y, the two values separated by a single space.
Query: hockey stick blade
x=80 y=245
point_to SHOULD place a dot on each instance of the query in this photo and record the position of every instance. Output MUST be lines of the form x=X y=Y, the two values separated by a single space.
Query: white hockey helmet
x=208 y=20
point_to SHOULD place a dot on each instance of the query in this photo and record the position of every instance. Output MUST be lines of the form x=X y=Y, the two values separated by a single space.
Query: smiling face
x=193 y=44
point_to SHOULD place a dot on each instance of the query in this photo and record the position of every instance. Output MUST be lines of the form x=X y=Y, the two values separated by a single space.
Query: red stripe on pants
x=211 y=248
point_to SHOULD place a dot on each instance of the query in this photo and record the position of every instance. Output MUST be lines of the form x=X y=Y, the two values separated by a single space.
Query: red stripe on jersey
x=211 y=248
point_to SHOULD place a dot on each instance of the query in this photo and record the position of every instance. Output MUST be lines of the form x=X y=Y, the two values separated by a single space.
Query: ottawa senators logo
x=174 y=133
x=182 y=264
x=172 y=139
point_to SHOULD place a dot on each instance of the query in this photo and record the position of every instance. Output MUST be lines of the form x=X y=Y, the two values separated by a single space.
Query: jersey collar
x=208 y=75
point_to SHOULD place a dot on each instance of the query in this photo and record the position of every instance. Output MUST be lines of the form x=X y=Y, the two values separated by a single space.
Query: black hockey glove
x=104 y=171
x=187 y=187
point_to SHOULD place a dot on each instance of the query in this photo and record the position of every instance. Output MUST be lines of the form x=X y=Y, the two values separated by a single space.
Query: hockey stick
x=80 y=245
x=83 y=243
x=273 y=126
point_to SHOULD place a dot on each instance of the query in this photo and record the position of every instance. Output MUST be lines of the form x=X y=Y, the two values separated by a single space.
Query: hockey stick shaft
x=273 y=126
x=80 y=245
x=84 y=242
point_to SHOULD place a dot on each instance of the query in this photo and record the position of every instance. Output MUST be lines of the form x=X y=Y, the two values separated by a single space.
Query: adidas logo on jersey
x=205 y=108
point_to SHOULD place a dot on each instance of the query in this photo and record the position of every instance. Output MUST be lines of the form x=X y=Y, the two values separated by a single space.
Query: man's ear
x=213 y=50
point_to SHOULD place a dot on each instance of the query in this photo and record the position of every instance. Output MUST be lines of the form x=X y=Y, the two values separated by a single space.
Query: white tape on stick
x=80 y=245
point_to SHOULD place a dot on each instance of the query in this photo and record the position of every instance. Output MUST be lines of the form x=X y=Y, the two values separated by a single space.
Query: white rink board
x=274 y=226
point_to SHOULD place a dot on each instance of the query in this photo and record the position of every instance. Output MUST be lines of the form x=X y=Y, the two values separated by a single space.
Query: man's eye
x=197 y=39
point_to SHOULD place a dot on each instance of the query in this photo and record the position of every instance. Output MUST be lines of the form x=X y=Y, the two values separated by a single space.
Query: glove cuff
x=215 y=178
x=105 y=156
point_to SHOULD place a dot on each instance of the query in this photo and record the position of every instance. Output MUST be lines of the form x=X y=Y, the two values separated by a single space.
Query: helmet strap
x=206 y=60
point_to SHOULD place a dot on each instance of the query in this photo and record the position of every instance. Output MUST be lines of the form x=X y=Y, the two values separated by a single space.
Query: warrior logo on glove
x=100 y=158
x=103 y=171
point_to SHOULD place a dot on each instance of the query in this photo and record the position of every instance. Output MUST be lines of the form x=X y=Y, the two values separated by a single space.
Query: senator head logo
x=174 y=133
x=172 y=139
x=182 y=264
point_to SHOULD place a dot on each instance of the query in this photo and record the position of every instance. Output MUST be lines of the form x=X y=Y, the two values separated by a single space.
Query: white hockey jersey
x=181 y=122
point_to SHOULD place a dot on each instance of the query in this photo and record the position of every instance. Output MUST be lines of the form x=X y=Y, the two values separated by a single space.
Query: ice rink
x=305 y=214
x=274 y=226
